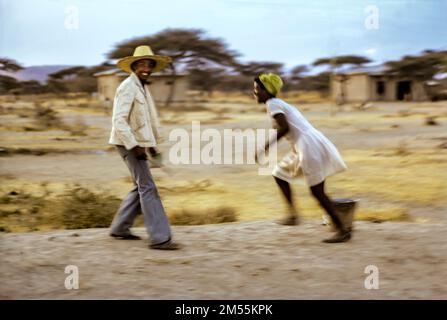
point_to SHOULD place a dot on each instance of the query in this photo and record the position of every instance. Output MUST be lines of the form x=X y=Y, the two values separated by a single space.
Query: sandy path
x=252 y=260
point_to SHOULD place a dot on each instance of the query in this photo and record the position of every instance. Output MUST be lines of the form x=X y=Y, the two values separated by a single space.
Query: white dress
x=312 y=156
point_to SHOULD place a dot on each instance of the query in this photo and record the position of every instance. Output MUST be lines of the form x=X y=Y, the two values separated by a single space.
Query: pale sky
x=38 y=32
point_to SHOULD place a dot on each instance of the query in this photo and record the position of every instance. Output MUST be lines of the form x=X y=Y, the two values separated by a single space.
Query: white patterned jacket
x=135 y=119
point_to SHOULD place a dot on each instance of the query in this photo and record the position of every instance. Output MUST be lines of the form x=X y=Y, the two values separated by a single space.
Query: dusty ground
x=251 y=260
x=397 y=171
x=397 y=164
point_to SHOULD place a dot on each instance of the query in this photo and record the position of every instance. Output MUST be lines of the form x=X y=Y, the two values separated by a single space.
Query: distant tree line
x=73 y=79
x=212 y=65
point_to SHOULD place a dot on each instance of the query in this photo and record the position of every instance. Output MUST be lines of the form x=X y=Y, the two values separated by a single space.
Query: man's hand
x=153 y=151
x=140 y=153
x=156 y=160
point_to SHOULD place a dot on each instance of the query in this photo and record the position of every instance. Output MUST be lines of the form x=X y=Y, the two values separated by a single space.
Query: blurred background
x=370 y=76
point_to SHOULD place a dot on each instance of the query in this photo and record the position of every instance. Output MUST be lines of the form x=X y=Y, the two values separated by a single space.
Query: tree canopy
x=191 y=48
x=9 y=65
x=212 y=65
x=341 y=60
x=426 y=65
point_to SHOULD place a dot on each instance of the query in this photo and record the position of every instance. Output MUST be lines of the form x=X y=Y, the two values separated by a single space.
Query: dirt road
x=251 y=260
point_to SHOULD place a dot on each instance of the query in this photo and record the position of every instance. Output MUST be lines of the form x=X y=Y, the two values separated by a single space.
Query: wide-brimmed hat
x=144 y=52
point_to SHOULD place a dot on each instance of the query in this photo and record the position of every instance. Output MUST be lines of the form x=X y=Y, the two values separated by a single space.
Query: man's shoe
x=125 y=237
x=167 y=245
x=289 y=221
x=341 y=236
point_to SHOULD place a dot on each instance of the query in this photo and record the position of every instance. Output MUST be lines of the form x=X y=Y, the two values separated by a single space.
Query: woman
x=312 y=156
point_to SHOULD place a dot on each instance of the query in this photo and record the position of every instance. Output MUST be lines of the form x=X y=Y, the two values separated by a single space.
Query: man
x=312 y=156
x=135 y=130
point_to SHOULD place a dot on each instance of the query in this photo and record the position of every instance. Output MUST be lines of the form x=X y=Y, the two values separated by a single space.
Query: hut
x=160 y=85
x=376 y=84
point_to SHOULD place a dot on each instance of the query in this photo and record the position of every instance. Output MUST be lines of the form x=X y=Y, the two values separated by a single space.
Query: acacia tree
x=318 y=82
x=296 y=76
x=75 y=79
x=254 y=68
x=426 y=65
x=8 y=83
x=190 y=49
x=9 y=65
x=206 y=79
x=341 y=60
x=245 y=72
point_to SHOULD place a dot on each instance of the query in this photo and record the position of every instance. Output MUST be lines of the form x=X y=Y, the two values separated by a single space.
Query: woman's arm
x=282 y=127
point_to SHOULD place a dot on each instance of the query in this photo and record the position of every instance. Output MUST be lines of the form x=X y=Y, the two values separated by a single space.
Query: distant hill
x=39 y=73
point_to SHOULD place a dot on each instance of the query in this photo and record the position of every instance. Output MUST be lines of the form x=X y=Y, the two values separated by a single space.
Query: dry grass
x=431 y=121
x=188 y=107
x=34 y=152
x=229 y=97
x=78 y=128
x=198 y=186
x=383 y=214
x=301 y=97
x=42 y=117
x=189 y=217
x=21 y=211
x=415 y=180
x=76 y=208
x=80 y=208
x=405 y=169
x=402 y=149
x=304 y=97
x=45 y=118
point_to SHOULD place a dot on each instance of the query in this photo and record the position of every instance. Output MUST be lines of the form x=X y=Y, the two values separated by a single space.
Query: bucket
x=345 y=208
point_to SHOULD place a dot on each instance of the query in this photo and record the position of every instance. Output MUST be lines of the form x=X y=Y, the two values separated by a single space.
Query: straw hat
x=144 y=52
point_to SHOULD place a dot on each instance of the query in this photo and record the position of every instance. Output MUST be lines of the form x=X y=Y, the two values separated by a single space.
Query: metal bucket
x=345 y=209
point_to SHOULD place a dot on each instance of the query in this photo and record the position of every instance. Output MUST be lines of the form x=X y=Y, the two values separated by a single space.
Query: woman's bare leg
x=343 y=233
x=292 y=216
